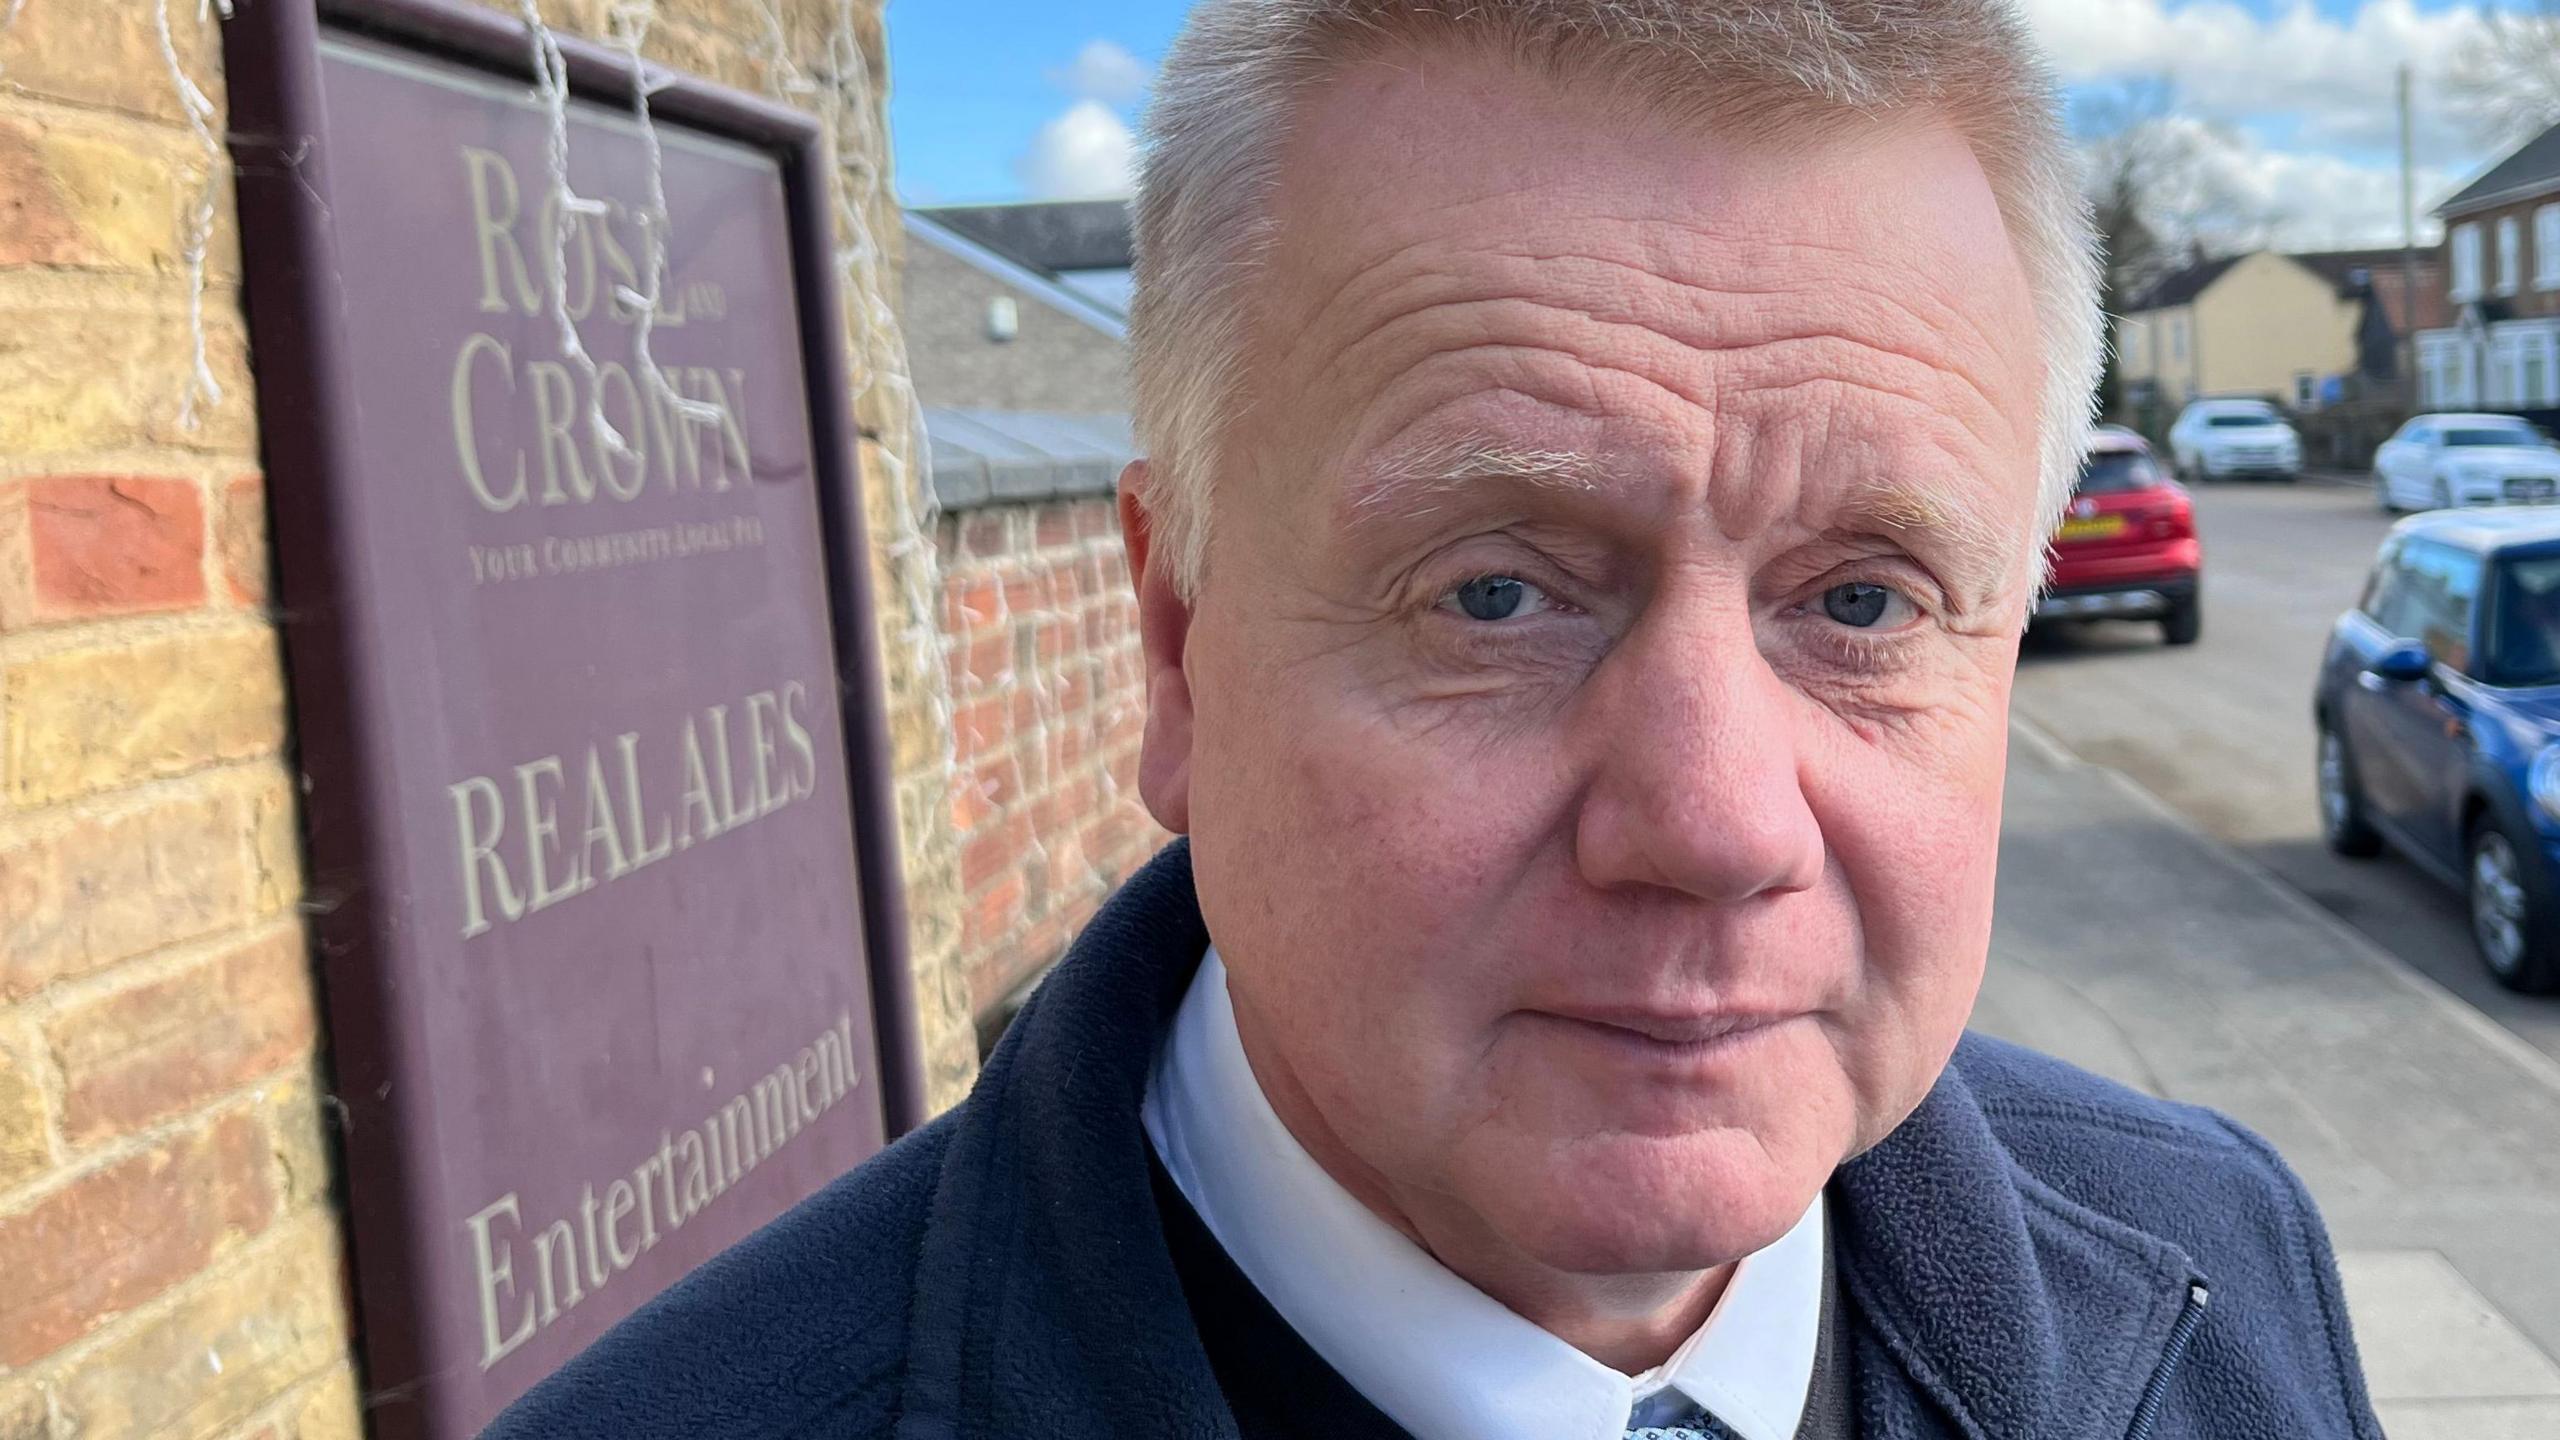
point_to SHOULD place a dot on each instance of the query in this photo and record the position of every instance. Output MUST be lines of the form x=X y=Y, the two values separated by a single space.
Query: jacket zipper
x=2147 y=1414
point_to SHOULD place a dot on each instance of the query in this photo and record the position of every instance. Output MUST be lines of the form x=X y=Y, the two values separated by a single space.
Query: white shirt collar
x=1436 y=1355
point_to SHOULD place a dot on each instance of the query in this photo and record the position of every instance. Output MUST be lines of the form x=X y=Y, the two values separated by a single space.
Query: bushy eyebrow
x=1416 y=485
x=1922 y=514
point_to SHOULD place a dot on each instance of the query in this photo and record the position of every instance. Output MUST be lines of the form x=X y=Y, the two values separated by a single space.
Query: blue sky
x=2289 y=101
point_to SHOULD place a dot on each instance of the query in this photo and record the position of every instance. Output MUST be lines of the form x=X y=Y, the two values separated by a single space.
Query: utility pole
x=2408 y=253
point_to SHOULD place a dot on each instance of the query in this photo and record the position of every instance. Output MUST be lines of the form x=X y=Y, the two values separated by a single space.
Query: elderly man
x=1600 y=457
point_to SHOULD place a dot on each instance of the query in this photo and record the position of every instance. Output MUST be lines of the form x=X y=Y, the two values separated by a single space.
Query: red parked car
x=2127 y=547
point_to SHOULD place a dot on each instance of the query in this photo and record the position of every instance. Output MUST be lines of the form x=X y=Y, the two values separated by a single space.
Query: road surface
x=2222 y=730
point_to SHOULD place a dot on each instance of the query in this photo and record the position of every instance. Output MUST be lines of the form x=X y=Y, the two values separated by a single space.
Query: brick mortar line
x=119 y=292
x=53 y=1084
x=49 y=1372
x=115 y=632
x=51 y=1001
x=32 y=824
x=148 y=462
x=17 y=95
x=46 y=109
x=244 y=1099
x=284 y=1410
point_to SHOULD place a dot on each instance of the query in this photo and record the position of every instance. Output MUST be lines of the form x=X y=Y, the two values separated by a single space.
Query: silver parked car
x=2436 y=462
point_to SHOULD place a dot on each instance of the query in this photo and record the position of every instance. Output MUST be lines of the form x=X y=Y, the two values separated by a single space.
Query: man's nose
x=1697 y=784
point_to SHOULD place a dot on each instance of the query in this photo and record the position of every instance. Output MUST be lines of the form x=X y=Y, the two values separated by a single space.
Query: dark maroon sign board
x=599 y=839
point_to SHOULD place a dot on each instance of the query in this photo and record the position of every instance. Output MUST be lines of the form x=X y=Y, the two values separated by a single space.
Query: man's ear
x=1164 y=628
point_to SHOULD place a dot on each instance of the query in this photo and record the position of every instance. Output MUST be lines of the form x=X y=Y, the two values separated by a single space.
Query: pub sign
x=601 y=871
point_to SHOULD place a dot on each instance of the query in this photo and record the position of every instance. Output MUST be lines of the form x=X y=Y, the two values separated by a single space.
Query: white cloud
x=2313 y=201
x=1086 y=153
x=1103 y=71
x=2295 y=114
x=2336 y=79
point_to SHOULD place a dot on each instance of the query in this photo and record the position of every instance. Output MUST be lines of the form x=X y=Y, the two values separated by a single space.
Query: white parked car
x=2225 y=439
x=2436 y=462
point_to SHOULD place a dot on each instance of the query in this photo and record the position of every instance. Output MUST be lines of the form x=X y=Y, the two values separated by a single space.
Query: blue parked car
x=2439 y=714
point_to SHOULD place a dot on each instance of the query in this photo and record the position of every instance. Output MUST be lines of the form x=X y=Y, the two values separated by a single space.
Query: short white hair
x=1221 y=113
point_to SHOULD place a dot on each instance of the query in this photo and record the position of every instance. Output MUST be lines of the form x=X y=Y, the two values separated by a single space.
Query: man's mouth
x=1673 y=1030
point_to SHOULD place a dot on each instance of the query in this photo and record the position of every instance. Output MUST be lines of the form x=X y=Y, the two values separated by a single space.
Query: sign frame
x=273 y=72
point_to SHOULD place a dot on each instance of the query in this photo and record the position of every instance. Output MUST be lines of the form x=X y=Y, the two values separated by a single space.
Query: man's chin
x=1647 y=1205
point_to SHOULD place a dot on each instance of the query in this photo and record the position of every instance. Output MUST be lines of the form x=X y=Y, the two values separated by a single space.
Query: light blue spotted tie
x=1705 y=1427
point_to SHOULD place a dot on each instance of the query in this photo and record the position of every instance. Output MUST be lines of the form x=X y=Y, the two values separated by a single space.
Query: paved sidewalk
x=2130 y=943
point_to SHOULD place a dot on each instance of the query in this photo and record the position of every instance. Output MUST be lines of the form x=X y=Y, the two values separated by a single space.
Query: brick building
x=2500 y=350
x=173 y=1251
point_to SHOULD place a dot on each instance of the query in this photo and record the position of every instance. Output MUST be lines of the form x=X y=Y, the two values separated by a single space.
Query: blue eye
x=1862 y=606
x=1492 y=598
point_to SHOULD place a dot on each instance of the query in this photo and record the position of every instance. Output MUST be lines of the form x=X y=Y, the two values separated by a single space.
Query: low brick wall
x=1040 y=628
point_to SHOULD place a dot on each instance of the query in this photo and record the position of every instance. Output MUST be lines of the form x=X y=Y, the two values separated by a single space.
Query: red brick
x=147 y=1053
x=980 y=729
x=241 y=537
x=971 y=805
x=983 y=535
x=1056 y=526
x=1067 y=582
x=1072 y=690
x=1000 y=781
x=993 y=849
x=990 y=918
x=1096 y=518
x=1025 y=594
x=113 y=545
x=1057 y=637
x=981 y=664
x=114 y=1238
x=968 y=603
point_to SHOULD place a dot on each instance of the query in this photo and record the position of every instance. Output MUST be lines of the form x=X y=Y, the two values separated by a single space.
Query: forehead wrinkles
x=1783 y=312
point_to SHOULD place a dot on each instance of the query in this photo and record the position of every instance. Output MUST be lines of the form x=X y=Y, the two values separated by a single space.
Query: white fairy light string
x=196 y=238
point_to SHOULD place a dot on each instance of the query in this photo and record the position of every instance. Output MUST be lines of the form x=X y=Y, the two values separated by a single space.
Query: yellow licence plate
x=2094 y=527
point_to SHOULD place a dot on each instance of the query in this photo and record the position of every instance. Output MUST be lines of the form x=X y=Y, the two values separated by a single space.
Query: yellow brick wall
x=170 y=1253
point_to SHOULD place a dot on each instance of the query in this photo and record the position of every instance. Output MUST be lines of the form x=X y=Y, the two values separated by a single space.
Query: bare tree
x=2161 y=195
x=2507 y=75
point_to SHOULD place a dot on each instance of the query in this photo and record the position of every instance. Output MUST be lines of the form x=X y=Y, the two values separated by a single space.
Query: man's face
x=1591 y=724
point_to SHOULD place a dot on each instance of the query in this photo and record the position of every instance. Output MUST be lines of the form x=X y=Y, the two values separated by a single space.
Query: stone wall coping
x=1013 y=457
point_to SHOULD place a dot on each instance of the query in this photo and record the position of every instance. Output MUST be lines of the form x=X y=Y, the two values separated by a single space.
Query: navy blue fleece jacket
x=2036 y=1254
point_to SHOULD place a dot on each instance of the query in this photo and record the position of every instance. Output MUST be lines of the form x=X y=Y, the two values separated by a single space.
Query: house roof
x=1035 y=283
x=2180 y=287
x=2387 y=285
x=2533 y=168
x=1046 y=235
x=2339 y=267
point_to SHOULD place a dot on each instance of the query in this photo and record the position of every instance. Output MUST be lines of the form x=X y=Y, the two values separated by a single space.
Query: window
x=2131 y=346
x=2485 y=435
x=2306 y=390
x=2510 y=255
x=2466 y=262
x=2178 y=337
x=2428 y=597
x=2381 y=586
x=2113 y=472
x=2524 y=622
x=2546 y=248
